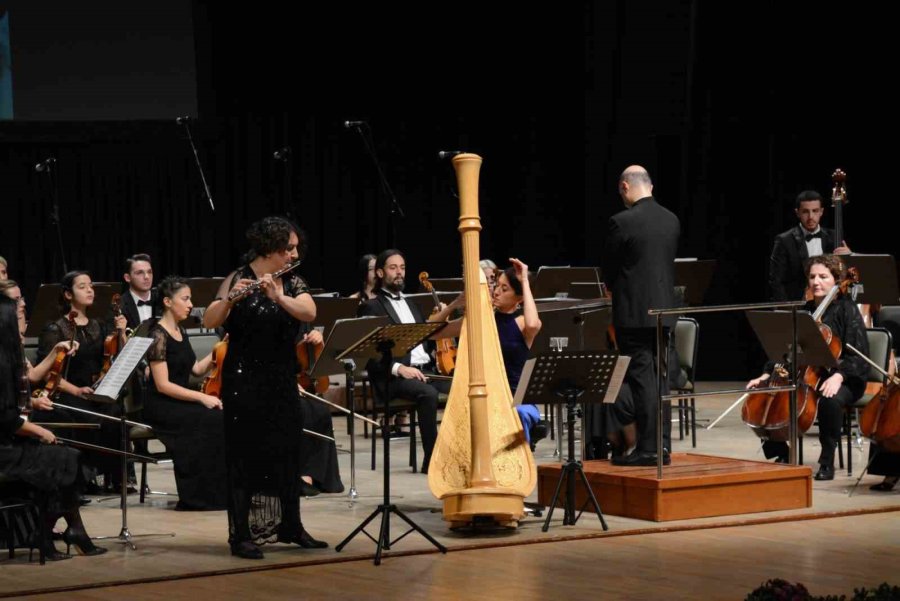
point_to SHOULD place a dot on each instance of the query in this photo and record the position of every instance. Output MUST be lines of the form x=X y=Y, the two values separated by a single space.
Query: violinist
x=187 y=421
x=793 y=247
x=28 y=456
x=365 y=278
x=262 y=306
x=77 y=294
x=838 y=387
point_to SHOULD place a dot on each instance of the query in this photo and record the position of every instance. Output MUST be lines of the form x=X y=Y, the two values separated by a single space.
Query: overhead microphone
x=182 y=120
x=447 y=154
x=44 y=165
x=349 y=124
x=282 y=154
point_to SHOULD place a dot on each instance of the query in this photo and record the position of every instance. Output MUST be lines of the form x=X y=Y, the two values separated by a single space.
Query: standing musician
x=842 y=386
x=793 y=247
x=77 y=294
x=639 y=268
x=409 y=374
x=263 y=417
x=365 y=278
x=49 y=473
x=189 y=422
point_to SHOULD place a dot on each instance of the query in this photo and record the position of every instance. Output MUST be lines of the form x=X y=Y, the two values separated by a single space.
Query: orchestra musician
x=365 y=278
x=261 y=314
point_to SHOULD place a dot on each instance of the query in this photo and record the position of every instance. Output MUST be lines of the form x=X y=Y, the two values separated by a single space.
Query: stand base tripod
x=384 y=541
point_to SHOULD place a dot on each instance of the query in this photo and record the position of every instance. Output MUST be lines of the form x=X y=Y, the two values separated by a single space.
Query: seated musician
x=189 y=422
x=841 y=386
x=137 y=302
x=409 y=374
x=517 y=326
x=365 y=278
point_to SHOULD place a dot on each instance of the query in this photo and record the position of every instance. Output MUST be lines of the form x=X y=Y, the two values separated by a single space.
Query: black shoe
x=82 y=501
x=82 y=542
x=826 y=472
x=885 y=485
x=782 y=459
x=50 y=552
x=247 y=550
x=641 y=458
x=304 y=539
x=307 y=489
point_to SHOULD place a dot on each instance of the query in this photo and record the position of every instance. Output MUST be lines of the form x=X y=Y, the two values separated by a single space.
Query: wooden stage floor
x=199 y=549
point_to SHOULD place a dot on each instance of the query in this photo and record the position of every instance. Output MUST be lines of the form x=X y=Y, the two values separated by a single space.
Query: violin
x=307 y=355
x=51 y=385
x=446 y=350
x=212 y=384
x=768 y=413
x=111 y=342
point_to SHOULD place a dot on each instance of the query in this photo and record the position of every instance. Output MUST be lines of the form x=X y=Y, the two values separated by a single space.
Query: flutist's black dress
x=263 y=416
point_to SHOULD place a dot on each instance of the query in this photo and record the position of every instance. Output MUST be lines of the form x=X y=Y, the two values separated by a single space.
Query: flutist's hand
x=238 y=287
x=270 y=288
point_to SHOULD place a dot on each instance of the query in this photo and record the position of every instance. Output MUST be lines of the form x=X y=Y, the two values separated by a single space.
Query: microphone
x=349 y=124
x=447 y=154
x=282 y=154
x=44 y=165
x=182 y=120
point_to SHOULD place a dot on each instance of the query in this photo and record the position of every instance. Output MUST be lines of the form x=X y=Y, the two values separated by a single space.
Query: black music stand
x=330 y=309
x=586 y=290
x=108 y=390
x=383 y=342
x=695 y=275
x=44 y=309
x=569 y=377
x=103 y=294
x=344 y=333
x=878 y=276
x=551 y=281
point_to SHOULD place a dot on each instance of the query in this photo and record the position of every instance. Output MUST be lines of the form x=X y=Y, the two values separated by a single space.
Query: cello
x=446 y=350
x=768 y=413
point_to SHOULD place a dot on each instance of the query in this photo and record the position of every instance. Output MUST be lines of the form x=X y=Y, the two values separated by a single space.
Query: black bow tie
x=393 y=297
x=811 y=236
x=142 y=303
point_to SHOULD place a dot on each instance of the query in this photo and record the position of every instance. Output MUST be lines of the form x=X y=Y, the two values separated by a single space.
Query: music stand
x=695 y=275
x=446 y=284
x=330 y=309
x=551 y=280
x=775 y=331
x=567 y=377
x=343 y=334
x=108 y=390
x=103 y=294
x=383 y=342
x=878 y=276
x=585 y=290
x=44 y=310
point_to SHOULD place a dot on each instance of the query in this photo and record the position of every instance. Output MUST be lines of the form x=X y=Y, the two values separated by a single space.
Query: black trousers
x=639 y=401
x=830 y=417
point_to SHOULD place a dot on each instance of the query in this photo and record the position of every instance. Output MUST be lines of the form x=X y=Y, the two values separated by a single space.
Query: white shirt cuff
x=395 y=370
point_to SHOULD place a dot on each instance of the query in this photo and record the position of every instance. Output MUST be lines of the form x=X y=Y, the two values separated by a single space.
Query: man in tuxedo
x=793 y=247
x=137 y=302
x=639 y=268
x=408 y=375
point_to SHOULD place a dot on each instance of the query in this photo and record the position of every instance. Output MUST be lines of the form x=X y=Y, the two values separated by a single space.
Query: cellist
x=838 y=387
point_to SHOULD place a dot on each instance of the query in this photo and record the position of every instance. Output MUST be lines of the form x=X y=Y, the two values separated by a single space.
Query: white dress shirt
x=145 y=312
x=418 y=356
x=814 y=246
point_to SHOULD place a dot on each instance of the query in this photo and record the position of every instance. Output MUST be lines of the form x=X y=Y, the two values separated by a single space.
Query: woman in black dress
x=49 y=474
x=263 y=415
x=82 y=371
x=188 y=422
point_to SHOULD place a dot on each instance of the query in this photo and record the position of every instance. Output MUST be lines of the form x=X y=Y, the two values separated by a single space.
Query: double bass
x=446 y=350
x=768 y=413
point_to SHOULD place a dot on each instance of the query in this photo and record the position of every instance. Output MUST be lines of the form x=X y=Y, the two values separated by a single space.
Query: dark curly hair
x=831 y=262
x=272 y=234
x=167 y=289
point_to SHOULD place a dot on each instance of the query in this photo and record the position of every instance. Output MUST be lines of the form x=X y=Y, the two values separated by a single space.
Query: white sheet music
x=615 y=381
x=120 y=370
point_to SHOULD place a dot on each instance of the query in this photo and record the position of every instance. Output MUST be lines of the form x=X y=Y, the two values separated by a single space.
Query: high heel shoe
x=247 y=550
x=82 y=542
x=50 y=552
x=302 y=538
x=885 y=485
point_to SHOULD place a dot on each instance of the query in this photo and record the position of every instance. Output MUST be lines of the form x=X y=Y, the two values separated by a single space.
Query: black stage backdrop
x=733 y=107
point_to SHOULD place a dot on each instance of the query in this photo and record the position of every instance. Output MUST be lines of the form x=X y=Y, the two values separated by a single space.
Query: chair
x=888 y=317
x=687 y=337
x=880 y=346
x=13 y=506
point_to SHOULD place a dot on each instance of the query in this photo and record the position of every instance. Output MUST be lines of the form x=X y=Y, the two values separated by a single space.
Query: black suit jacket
x=787 y=281
x=380 y=306
x=129 y=308
x=639 y=263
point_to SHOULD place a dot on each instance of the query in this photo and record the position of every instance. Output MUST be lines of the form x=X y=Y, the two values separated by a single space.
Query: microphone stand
x=396 y=209
x=54 y=210
x=187 y=128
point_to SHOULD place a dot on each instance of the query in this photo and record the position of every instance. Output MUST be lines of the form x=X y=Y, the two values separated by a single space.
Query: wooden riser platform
x=693 y=486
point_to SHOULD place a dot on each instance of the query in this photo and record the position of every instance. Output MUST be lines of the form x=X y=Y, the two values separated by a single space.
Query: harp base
x=466 y=507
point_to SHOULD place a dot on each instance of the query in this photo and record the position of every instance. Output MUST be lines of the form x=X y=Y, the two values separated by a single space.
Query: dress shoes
x=247 y=550
x=307 y=489
x=304 y=539
x=826 y=472
x=885 y=485
x=641 y=458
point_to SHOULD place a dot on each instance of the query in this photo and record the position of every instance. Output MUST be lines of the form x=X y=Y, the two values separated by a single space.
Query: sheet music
x=615 y=381
x=121 y=368
x=523 y=381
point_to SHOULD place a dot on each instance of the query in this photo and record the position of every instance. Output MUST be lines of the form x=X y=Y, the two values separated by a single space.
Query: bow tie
x=393 y=297
x=811 y=236
x=142 y=303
